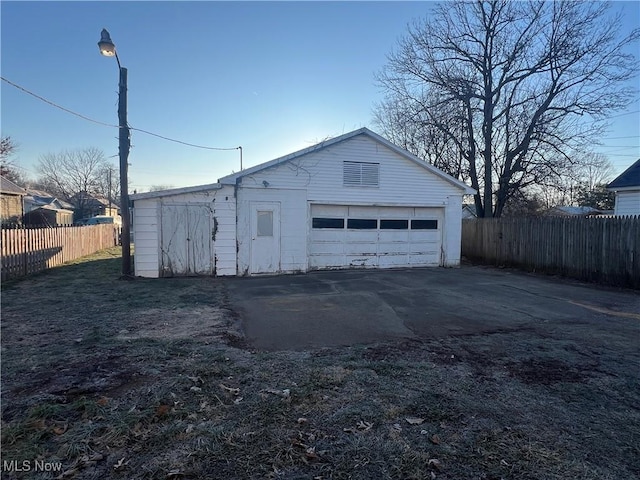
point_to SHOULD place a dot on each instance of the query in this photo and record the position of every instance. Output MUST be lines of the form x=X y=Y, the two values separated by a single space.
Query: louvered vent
x=361 y=174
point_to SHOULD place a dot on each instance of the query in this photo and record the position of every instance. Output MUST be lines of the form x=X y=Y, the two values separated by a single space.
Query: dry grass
x=144 y=379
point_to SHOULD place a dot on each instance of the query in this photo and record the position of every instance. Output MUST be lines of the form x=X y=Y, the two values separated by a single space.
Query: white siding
x=146 y=238
x=319 y=178
x=224 y=245
x=452 y=235
x=293 y=227
x=148 y=225
x=627 y=203
x=402 y=182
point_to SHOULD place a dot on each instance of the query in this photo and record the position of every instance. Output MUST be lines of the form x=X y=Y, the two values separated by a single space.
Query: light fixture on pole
x=108 y=49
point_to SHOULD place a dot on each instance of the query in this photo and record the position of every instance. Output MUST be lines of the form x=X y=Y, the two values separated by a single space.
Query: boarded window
x=361 y=174
x=323 y=222
x=265 y=223
x=424 y=224
x=394 y=224
x=362 y=223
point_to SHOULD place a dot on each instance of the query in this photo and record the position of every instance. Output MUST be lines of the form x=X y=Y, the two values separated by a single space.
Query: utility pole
x=108 y=49
x=109 y=194
x=124 y=146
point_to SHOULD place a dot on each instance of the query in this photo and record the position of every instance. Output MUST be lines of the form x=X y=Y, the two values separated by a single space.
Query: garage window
x=394 y=224
x=362 y=223
x=360 y=174
x=324 y=222
x=424 y=224
x=265 y=223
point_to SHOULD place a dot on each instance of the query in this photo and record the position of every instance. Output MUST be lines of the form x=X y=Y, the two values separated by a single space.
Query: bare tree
x=594 y=169
x=8 y=165
x=514 y=87
x=73 y=175
x=109 y=184
x=159 y=188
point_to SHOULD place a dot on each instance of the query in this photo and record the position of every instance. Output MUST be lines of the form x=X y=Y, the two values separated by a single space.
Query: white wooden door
x=265 y=237
x=186 y=240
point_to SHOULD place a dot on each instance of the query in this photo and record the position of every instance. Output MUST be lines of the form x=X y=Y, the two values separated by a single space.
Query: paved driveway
x=319 y=309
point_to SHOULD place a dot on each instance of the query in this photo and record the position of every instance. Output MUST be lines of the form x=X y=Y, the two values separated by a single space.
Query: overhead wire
x=84 y=117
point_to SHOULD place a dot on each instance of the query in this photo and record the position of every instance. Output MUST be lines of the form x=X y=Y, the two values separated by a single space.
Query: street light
x=108 y=49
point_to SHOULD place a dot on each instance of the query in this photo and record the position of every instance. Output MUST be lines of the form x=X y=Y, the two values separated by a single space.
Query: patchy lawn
x=105 y=378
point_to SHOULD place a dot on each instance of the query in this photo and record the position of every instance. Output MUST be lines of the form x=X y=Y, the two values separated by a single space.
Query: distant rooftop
x=7 y=186
x=629 y=178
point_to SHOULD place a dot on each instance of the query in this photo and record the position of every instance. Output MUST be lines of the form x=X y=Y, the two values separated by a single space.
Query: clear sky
x=273 y=77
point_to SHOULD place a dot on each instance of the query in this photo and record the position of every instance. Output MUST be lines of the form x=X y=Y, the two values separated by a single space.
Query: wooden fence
x=605 y=250
x=30 y=250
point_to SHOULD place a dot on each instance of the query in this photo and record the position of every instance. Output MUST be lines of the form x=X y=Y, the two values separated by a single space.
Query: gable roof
x=573 y=211
x=7 y=186
x=236 y=177
x=175 y=191
x=39 y=198
x=629 y=178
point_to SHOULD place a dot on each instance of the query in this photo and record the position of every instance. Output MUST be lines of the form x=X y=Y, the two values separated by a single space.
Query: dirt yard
x=152 y=379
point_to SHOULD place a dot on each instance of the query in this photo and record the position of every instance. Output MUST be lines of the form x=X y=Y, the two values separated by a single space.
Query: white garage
x=355 y=201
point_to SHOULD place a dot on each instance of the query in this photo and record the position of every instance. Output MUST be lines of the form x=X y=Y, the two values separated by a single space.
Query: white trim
x=175 y=191
x=237 y=177
x=630 y=188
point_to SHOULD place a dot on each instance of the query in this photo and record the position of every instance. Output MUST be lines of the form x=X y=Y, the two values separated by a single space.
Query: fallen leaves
x=83 y=462
x=286 y=393
x=231 y=390
x=362 y=426
x=60 y=428
x=162 y=410
x=414 y=420
x=309 y=453
x=121 y=464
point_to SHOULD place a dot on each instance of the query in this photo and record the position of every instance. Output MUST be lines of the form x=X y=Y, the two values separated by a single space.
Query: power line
x=108 y=124
x=180 y=141
x=623 y=114
x=56 y=105
x=620 y=138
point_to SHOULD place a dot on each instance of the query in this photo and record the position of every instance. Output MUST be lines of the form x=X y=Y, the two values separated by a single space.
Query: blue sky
x=273 y=77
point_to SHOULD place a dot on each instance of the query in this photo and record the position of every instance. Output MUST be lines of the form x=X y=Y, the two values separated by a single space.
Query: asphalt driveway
x=326 y=309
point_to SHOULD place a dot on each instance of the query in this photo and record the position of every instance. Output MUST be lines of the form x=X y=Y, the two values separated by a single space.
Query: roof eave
x=235 y=178
x=175 y=191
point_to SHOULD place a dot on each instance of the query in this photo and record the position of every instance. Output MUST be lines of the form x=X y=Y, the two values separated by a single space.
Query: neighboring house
x=570 y=211
x=353 y=201
x=469 y=211
x=88 y=205
x=42 y=208
x=49 y=216
x=11 y=201
x=627 y=190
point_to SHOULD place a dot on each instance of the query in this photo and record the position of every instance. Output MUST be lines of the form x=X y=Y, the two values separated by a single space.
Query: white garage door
x=348 y=236
x=187 y=248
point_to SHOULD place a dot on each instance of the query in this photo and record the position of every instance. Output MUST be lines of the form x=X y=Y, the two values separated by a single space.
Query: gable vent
x=361 y=174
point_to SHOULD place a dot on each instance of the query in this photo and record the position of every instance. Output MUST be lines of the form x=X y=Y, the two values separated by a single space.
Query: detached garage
x=355 y=201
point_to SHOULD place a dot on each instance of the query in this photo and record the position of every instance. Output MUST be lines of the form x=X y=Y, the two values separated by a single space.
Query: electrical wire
x=56 y=105
x=53 y=104
x=180 y=141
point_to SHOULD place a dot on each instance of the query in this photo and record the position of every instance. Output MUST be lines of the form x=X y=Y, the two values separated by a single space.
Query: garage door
x=352 y=236
x=186 y=240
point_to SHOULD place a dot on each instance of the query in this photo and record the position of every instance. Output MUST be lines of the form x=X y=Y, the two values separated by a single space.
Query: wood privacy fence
x=605 y=250
x=30 y=250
